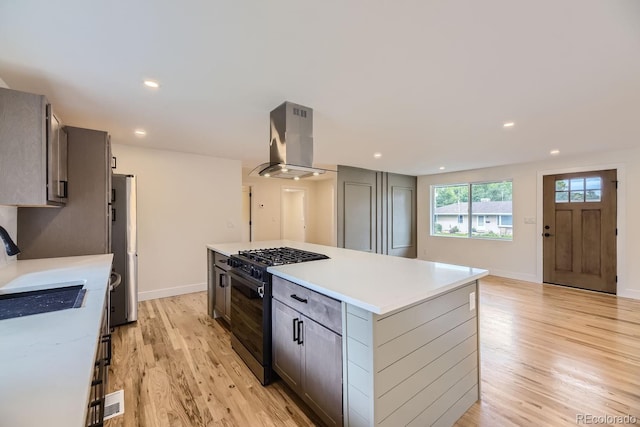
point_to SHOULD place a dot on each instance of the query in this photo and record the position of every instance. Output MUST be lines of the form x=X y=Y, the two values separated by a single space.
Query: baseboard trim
x=171 y=292
x=629 y=293
x=513 y=275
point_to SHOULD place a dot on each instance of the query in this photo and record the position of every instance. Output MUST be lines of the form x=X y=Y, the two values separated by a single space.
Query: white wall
x=326 y=219
x=266 y=205
x=184 y=202
x=8 y=216
x=521 y=258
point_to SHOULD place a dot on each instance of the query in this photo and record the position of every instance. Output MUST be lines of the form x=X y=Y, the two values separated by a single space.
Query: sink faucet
x=9 y=245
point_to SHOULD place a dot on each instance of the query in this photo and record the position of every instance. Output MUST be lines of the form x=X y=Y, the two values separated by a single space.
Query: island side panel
x=358 y=371
x=419 y=365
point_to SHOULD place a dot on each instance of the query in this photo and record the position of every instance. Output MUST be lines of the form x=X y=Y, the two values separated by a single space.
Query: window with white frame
x=473 y=210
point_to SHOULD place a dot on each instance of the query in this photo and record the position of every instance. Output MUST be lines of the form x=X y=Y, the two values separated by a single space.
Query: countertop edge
x=380 y=310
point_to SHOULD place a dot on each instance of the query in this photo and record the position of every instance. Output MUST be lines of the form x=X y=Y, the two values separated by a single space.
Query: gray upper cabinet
x=83 y=226
x=377 y=211
x=33 y=151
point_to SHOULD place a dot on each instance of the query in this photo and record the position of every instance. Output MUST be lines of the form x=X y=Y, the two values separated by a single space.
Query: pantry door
x=579 y=230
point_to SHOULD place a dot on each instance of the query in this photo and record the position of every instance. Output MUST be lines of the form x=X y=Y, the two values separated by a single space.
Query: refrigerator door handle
x=116 y=280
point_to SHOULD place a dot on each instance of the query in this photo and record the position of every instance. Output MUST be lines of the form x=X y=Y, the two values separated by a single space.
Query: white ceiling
x=427 y=83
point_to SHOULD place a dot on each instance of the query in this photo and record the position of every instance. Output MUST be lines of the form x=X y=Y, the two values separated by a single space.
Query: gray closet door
x=358 y=209
x=401 y=215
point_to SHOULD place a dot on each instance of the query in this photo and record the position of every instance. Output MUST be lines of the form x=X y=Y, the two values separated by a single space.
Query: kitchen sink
x=21 y=304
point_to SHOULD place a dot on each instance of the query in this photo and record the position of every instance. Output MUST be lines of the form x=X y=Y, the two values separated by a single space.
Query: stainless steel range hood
x=291 y=144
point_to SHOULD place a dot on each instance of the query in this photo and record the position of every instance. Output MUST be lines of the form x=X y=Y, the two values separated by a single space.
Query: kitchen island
x=47 y=361
x=409 y=331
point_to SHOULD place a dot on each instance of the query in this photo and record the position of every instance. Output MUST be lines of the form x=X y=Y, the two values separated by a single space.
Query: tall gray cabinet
x=377 y=211
x=83 y=226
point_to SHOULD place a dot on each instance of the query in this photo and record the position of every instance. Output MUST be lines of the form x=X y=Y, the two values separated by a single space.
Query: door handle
x=300 y=341
x=297 y=298
x=547 y=234
x=295 y=338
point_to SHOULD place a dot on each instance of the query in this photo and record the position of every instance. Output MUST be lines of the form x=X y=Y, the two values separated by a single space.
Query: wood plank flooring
x=548 y=353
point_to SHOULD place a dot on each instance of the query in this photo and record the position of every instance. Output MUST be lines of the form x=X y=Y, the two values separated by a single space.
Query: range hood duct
x=291 y=144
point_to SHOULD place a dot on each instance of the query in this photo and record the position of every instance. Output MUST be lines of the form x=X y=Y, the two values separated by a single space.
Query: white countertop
x=47 y=360
x=377 y=283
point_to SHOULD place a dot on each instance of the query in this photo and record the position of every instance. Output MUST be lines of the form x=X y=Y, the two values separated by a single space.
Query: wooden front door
x=579 y=229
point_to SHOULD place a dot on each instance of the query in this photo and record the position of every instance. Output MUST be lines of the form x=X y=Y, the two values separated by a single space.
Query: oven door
x=247 y=314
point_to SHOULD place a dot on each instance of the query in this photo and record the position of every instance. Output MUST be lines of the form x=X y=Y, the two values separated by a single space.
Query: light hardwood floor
x=548 y=353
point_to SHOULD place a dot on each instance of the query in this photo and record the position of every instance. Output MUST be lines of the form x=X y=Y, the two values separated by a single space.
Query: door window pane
x=562 y=196
x=594 y=183
x=577 y=184
x=577 y=196
x=562 y=185
x=594 y=195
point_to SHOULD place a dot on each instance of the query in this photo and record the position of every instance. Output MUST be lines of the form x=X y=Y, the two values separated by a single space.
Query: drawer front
x=321 y=308
x=221 y=261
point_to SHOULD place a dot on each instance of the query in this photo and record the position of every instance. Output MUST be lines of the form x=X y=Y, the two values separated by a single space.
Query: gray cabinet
x=377 y=211
x=83 y=226
x=287 y=352
x=219 y=287
x=307 y=347
x=33 y=151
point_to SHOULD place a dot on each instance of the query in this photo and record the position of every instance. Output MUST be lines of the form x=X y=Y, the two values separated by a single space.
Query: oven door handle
x=255 y=286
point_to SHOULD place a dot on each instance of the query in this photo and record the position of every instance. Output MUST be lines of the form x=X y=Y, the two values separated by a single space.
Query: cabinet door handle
x=300 y=341
x=295 y=338
x=223 y=283
x=297 y=298
x=106 y=339
x=65 y=189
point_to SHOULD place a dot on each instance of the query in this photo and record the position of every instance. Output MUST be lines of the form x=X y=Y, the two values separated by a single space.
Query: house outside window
x=488 y=216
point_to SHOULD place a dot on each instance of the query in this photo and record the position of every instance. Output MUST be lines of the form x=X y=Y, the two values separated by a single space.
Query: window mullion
x=469 y=213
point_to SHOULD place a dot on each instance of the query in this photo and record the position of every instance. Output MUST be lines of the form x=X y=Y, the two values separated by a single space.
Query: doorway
x=580 y=229
x=294 y=214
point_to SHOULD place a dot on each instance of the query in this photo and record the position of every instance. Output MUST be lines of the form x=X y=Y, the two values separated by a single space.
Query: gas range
x=251 y=303
x=255 y=262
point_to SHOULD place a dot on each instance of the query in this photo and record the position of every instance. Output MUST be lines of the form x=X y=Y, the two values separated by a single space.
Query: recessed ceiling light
x=296 y=178
x=441 y=168
x=554 y=152
x=267 y=175
x=140 y=132
x=316 y=174
x=152 y=84
x=285 y=170
x=377 y=155
x=508 y=124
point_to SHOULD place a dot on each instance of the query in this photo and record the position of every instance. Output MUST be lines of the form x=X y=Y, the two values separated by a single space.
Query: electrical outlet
x=472 y=301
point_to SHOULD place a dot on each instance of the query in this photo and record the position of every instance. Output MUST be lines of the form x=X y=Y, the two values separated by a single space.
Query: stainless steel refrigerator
x=124 y=245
